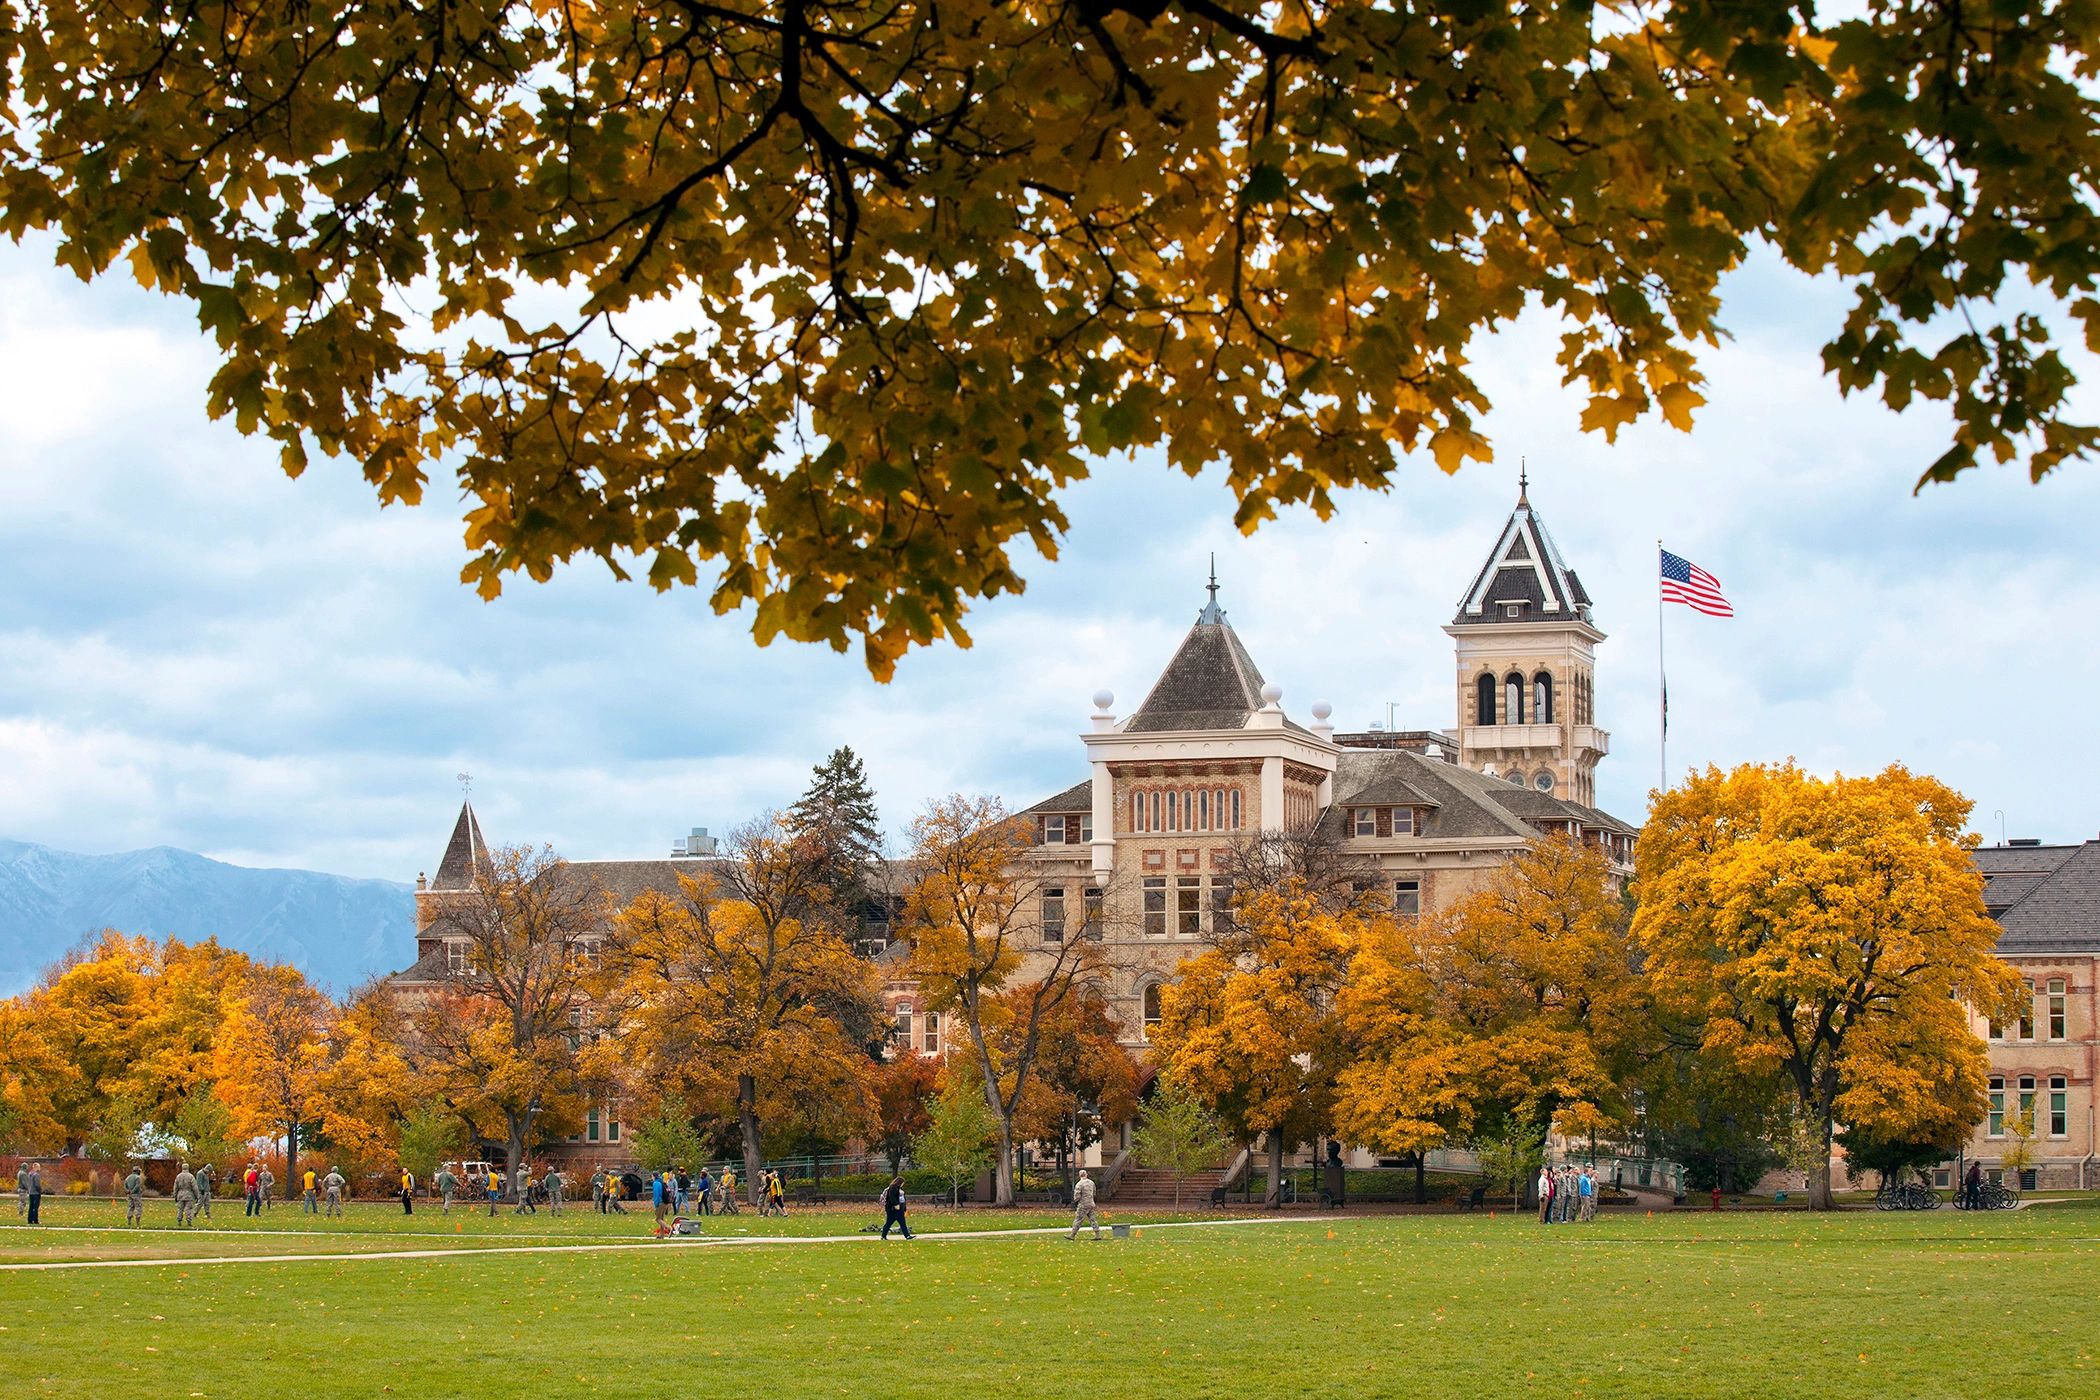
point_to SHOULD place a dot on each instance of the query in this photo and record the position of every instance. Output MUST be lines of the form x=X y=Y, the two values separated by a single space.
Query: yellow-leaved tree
x=1831 y=931
x=743 y=990
x=500 y=1042
x=835 y=302
x=273 y=1054
x=1250 y=1026
x=34 y=1080
x=1517 y=1009
x=978 y=947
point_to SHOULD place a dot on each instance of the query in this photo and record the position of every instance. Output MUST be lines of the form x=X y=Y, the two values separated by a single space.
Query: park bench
x=1472 y=1200
x=808 y=1196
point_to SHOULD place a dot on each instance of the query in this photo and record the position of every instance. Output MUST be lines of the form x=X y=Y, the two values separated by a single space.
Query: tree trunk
x=1421 y=1178
x=747 y=1126
x=514 y=1151
x=291 y=1162
x=1275 y=1193
x=1819 y=1197
x=1003 y=1164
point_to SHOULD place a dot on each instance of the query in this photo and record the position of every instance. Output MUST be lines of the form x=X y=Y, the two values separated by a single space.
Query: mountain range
x=337 y=930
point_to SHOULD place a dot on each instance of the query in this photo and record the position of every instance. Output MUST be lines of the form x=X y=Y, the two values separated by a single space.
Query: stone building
x=1139 y=847
x=2045 y=1062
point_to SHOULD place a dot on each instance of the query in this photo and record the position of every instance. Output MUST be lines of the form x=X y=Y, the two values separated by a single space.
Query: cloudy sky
x=196 y=651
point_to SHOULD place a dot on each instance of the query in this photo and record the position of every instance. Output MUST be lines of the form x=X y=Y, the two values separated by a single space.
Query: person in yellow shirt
x=729 y=1191
x=408 y=1192
x=495 y=1189
x=313 y=1196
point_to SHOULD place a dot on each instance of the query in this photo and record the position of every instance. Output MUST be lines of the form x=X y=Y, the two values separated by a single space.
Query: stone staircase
x=1148 y=1188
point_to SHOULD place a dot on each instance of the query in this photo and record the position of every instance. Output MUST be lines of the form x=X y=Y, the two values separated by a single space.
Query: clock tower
x=1526 y=651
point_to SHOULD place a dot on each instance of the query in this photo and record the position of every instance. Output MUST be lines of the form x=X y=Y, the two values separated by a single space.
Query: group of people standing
x=1567 y=1193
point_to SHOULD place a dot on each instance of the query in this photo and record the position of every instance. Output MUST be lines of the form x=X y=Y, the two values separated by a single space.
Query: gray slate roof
x=2010 y=872
x=1464 y=803
x=1524 y=567
x=1077 y=798
x=2061 y=912
x=464 y=853
x=1211 y=683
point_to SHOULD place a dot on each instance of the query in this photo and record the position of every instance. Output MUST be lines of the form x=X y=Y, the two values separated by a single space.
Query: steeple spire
x=1523 y=484
x=1212 y=613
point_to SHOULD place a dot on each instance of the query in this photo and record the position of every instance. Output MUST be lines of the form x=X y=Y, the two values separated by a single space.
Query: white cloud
x=195 y=651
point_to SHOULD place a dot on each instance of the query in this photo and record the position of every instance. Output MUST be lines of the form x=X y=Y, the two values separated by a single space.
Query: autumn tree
x=90 y=1010
x=902 y=1086
x=1084 y=1079
x=500 y=1041
x=973 y=915
x=1830 y=931
x=1406 y=1085
x=1177 y=1132
x=1536 y=971
x=206 y=1129
x=34 y=1081
x=835 y=303
x=371 y=1087
x=745 y=971
x=272 y=1057
x=1249 y=1026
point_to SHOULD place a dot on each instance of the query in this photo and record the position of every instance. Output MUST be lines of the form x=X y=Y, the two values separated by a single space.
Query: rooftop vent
x=2025 y=841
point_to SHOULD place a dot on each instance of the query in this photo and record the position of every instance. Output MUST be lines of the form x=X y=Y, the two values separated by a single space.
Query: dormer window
x=1513 y=612
x=456 y=956
x=1054 y=831
x=1366 y=821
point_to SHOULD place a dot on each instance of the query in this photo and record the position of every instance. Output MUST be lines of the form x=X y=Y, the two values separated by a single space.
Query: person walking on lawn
x=135 y=1198
x=35 y=1188
x=408 y=1192
x=1545 y=1196
x=251 y=1191
x=332 y=1186
x=313 y=1196
x=268 y=1183
x=495 y=1189
x=447 y=1185
x=599 y=1187
x=204 y=1185
x=1587 y=1188
x=893 y=1208
x=729 y=1191
x=1083 y=1211
x=555 y=1186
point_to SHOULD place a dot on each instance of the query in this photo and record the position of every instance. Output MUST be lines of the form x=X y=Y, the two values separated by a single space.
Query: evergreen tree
x=837 y=814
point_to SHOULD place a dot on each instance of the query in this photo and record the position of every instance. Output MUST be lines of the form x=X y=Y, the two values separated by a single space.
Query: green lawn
x=1752 y=1304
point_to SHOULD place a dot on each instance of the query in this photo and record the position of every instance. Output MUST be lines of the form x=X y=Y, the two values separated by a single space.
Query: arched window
x=1542 y=698
x=1513 y=699
x=1484 y=689
x=1151 y=1008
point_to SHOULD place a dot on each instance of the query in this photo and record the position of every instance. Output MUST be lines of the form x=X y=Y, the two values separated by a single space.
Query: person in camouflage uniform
x=333 y=1185
x=185 y=1195
x=204 y=1185
x=446 y=1184
x=266 y=1183
x=555 y=1186
x=135 y=1198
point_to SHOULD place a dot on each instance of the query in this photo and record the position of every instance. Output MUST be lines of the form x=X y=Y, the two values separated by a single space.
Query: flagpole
x=1662 y=682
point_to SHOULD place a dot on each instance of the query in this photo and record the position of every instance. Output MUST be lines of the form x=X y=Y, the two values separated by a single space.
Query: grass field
x=1755 y=1304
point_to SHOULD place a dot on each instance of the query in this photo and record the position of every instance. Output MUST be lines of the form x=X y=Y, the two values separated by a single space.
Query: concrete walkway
x=689 y=1242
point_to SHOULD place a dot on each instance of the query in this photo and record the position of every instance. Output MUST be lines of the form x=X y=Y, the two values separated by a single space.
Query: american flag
x=1685 y=582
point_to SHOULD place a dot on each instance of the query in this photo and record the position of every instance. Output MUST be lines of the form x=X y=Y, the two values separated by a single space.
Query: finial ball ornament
x=1103 y=699
x=1271 y=693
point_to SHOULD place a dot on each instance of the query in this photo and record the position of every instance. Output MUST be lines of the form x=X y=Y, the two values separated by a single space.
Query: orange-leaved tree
x=1831 y=930
x=500 y=1042
x=980 y=951
x=1250 y=1027
x=272 y=1056
x=746 y=974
